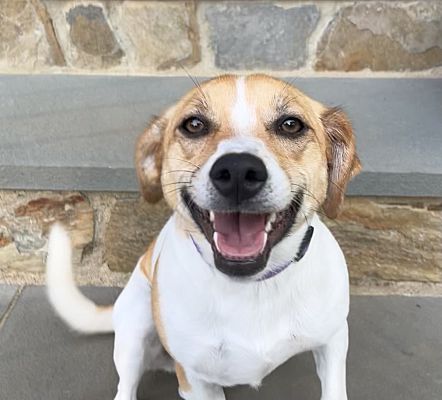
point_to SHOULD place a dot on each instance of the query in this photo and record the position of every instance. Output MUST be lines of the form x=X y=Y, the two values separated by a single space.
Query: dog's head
x=246 y=161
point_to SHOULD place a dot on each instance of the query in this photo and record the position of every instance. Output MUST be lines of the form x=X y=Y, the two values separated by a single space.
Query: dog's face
x=246 y=161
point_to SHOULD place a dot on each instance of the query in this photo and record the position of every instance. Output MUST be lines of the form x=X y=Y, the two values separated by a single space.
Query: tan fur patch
x=182 y=378
x=150 y=272
x=146 y=262
x=105 y=308
x=156 y=312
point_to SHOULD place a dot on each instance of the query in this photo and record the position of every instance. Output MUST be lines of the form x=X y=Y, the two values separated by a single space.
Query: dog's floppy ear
x=149 y=159
x=342 y=160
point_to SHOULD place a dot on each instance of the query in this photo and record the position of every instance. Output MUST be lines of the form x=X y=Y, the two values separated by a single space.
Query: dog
x=244 y=275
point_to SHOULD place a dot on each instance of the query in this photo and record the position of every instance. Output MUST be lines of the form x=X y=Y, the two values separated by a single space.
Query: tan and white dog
x=244 y=275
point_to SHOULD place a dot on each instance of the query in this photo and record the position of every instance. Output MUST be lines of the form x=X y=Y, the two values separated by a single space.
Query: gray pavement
x=395 y=354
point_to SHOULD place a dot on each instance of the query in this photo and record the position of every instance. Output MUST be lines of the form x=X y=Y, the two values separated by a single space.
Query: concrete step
x=395 y=354
x=65 y=132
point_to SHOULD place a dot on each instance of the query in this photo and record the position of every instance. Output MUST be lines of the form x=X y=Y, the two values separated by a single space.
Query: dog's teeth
x=270 y=221
x=215 y=239
x=212 y=216
x=264 y=243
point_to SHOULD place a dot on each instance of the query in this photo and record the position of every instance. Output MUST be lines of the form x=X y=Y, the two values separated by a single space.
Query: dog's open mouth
x=241 y=242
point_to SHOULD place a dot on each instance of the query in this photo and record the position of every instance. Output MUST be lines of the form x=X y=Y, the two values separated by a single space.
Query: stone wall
x=384 y=239
x=209 y=37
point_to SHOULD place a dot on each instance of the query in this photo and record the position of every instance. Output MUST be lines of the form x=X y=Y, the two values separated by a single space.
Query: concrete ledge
x=124 y=180
x=78 y=132
x=66 y=178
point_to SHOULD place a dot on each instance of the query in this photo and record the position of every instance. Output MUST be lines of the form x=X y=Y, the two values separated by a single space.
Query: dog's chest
x=230 y=357
x=232 y=333
x=232 y=339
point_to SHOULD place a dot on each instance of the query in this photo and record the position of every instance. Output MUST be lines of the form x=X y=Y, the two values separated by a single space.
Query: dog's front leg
x=137 y=346
x=330 y=362
x=192 y=388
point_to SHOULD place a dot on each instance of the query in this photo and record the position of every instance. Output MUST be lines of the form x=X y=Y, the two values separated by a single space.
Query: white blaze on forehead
x=243 y=115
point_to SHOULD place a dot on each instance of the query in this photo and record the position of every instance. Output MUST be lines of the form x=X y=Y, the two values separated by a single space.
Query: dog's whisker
x=299 y=204
x=196 y=83
x=177 y=189
x=306 y=192
x=314 y=209
x=317 y=208
x=177 y=183
x=180 y=185
x=337 y=186
x=171 y=191
x=304 y=188
x=183 y=212
x=177 y=170
x=183 y=160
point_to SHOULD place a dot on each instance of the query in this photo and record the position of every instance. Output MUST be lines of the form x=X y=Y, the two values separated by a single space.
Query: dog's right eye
x=194 y=127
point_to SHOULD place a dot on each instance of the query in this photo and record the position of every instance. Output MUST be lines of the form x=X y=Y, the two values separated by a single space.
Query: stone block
x=260 y=36
x=23 y=41
x=157 y=35
x=87 y=38
x=383 y=36
x=384 y=239
x=132 y=225
x=25 y=220
x=389 y=239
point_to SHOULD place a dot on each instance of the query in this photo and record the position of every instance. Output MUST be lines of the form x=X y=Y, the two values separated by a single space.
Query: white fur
x=243 y=116
x=229 y=332
x=72 y=306
x=149 y=166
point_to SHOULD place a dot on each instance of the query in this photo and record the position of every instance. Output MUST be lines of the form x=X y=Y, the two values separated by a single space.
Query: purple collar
x=305 y=243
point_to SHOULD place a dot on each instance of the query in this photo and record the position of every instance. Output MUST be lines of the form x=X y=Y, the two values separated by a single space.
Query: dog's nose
x=238 y=176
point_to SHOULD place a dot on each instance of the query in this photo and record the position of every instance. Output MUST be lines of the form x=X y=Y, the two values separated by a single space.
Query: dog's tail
x=72 y=306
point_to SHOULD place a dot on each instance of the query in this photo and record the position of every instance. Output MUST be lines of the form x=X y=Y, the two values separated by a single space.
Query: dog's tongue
x=240 y=235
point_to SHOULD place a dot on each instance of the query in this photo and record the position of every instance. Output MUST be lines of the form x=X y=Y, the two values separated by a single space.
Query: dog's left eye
x=193 y=126
x=291 y=126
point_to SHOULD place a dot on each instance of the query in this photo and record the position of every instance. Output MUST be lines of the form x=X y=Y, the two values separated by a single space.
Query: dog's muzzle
x=239 y=177
x=241 y=238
